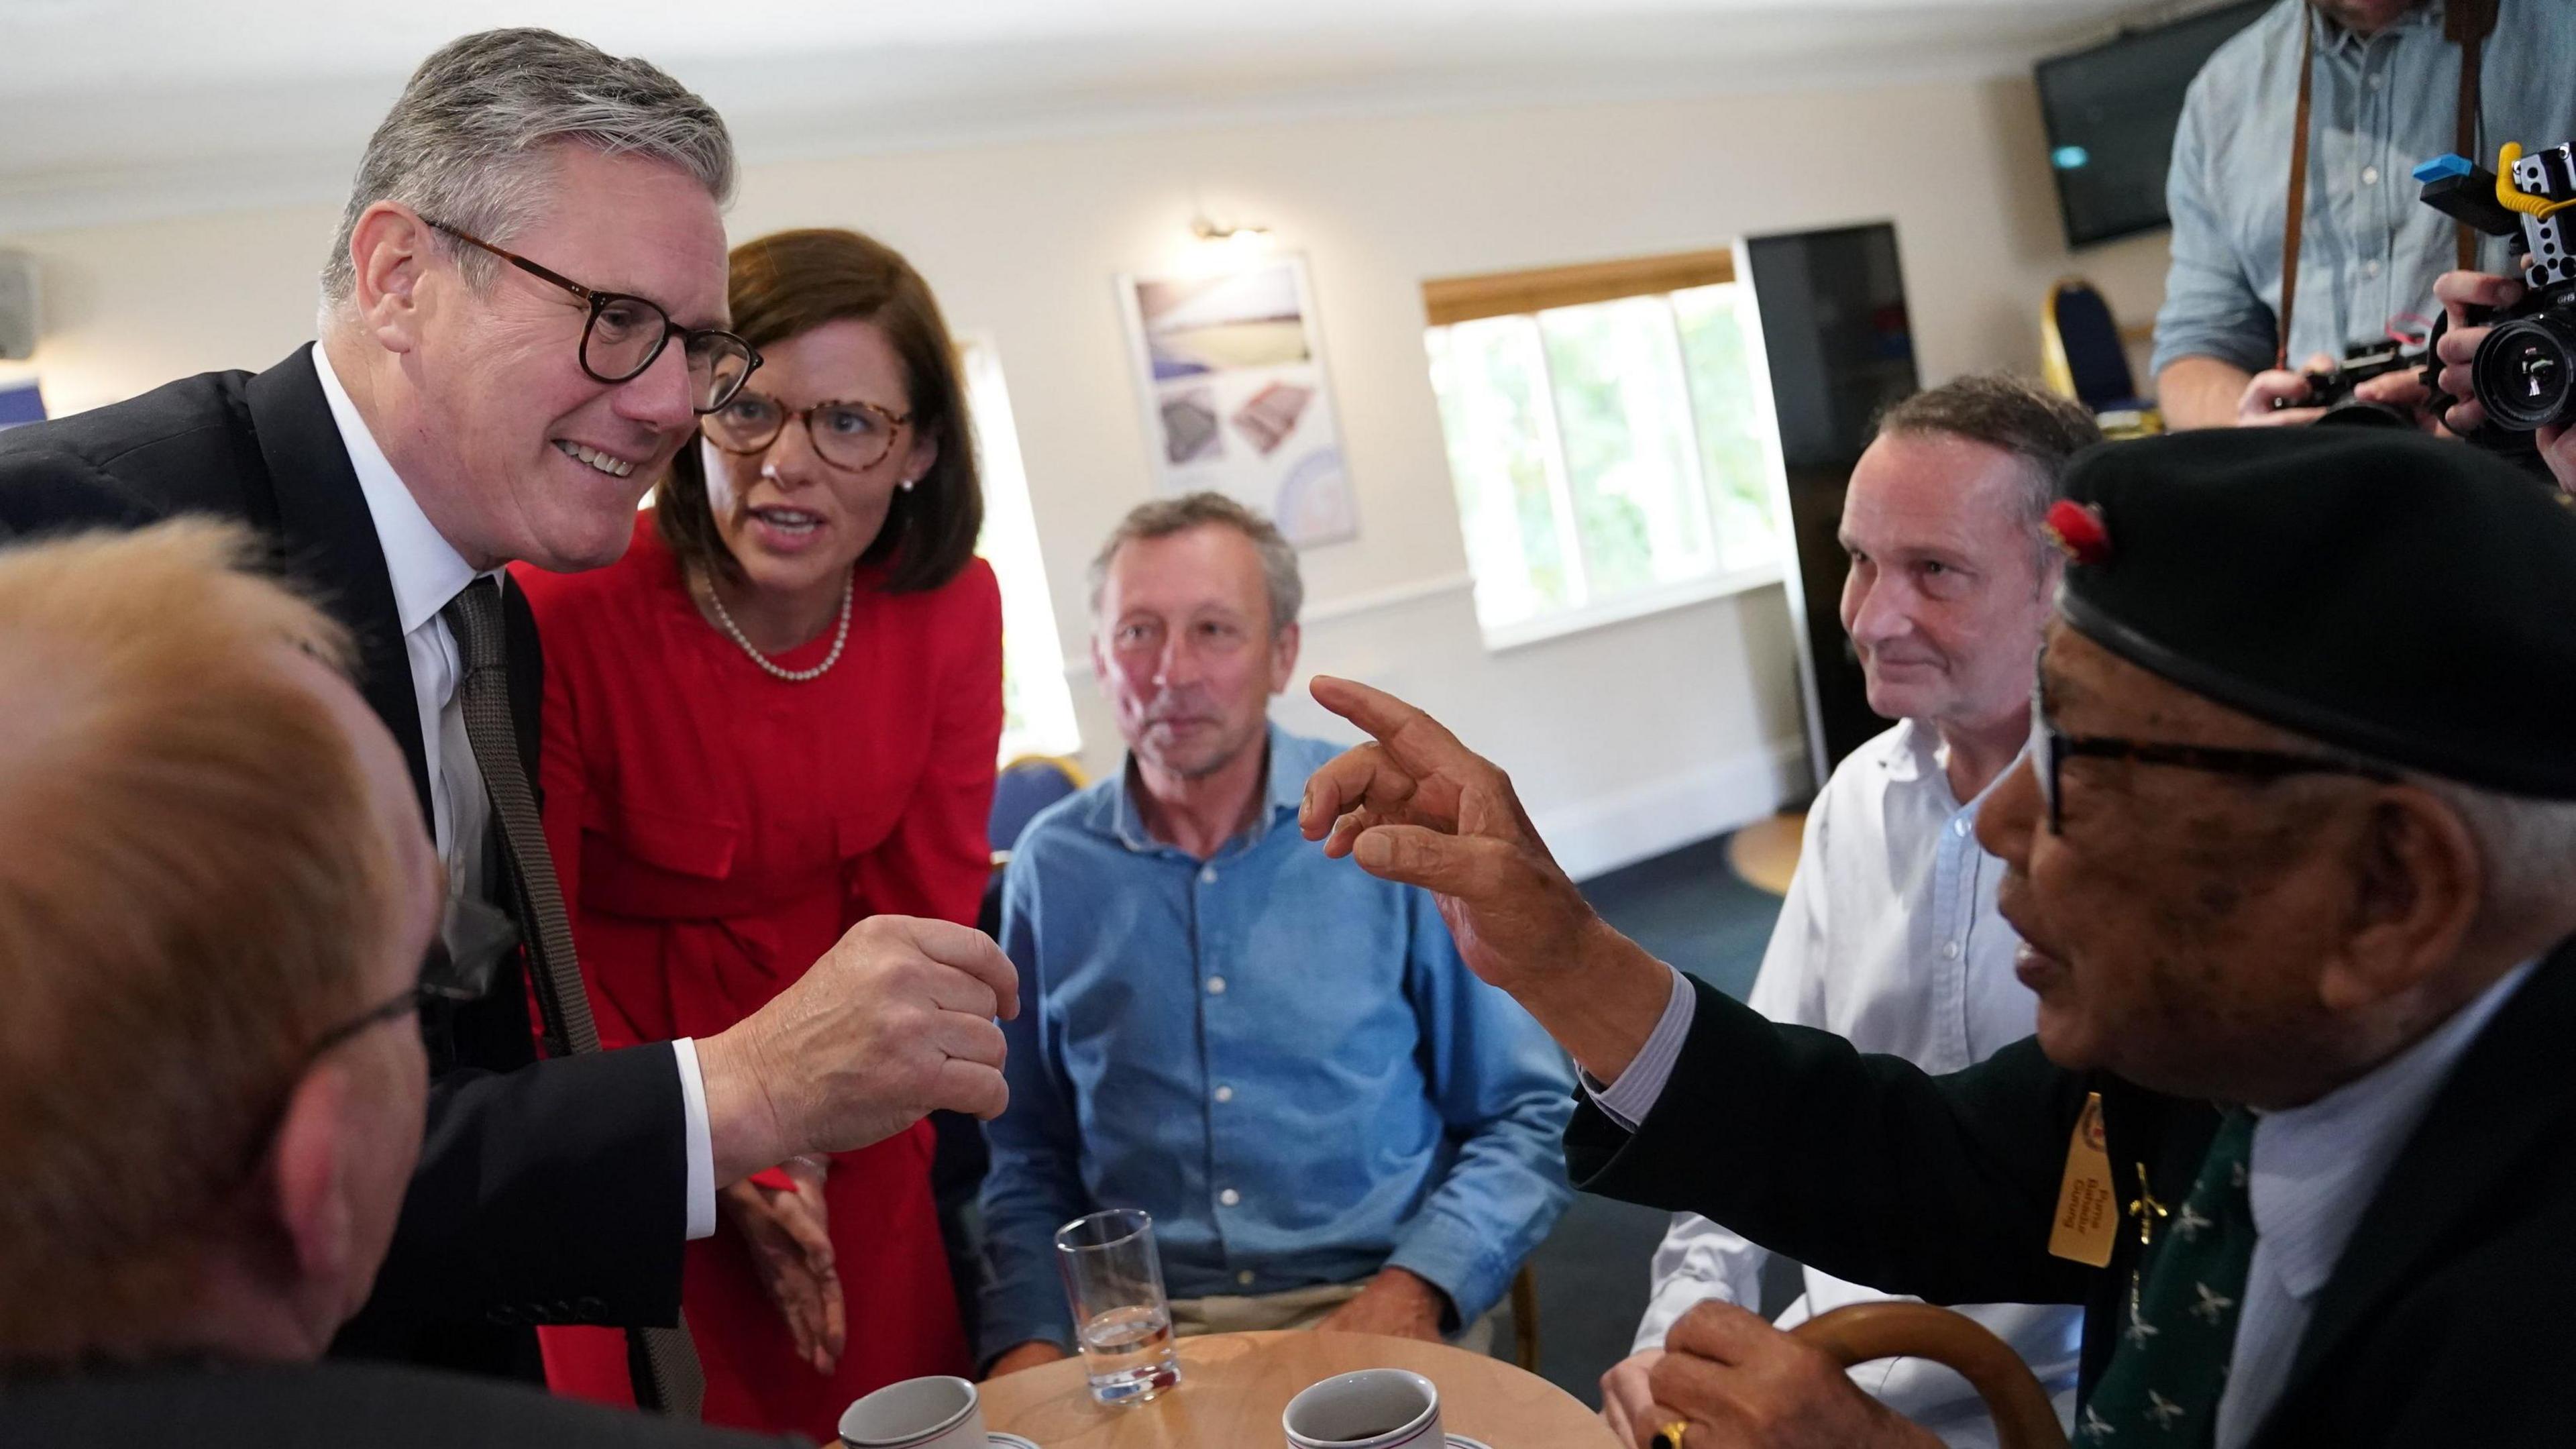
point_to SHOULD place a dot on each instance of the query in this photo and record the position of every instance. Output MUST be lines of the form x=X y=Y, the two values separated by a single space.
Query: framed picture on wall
x=1230 y=368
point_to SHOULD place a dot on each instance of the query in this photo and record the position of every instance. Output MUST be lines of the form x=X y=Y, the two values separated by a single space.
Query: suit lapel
x=328 y=539
x=2492 y=1115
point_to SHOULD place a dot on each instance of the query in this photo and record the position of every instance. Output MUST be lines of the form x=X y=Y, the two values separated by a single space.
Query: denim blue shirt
x=2380 y=106
x=1279 y=1056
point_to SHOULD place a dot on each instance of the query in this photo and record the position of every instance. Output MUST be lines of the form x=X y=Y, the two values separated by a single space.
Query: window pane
x=1037 y=703
x=1624 y=412
x=1488 y=376
x=1728 y=407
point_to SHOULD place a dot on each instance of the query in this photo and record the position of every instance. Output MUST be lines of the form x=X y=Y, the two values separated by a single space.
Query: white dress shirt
x=2312 y=1172
x=428 y=574
x=1889 y=938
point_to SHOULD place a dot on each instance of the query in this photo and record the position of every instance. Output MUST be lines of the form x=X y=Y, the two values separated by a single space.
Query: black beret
x=2402 y=597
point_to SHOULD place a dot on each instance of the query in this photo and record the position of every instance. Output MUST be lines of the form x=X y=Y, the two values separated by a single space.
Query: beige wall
x=1626 y=739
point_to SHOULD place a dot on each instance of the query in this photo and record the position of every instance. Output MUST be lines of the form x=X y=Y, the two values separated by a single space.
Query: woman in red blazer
x=776 y=715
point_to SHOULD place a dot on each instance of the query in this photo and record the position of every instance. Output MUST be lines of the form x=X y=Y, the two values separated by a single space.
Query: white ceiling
x=118 y=108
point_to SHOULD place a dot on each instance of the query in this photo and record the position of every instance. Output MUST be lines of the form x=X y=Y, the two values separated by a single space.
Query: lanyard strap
x=2297 y=211
x=2466 y=23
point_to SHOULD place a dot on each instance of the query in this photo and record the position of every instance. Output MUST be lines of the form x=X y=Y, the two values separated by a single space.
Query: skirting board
x=1597 y=836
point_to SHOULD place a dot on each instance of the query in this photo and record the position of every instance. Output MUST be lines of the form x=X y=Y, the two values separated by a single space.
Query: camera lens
x=2525 y=373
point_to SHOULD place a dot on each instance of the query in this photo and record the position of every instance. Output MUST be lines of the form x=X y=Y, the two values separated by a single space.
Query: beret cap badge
x=2078 y=531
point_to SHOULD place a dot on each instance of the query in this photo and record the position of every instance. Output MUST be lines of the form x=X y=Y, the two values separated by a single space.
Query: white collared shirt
x=2312 y=1172
x=428 y=573
x=1889 y=937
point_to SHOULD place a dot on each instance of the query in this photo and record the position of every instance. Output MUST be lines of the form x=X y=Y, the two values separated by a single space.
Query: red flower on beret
x=2078 y=532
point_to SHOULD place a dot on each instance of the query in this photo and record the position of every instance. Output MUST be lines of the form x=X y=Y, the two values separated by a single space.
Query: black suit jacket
x=327 y=1406
x=2446 y=1321
x=547 y=1192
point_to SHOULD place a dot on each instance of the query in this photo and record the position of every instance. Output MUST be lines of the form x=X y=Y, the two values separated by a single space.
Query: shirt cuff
x=700 y=1140
x=1629 y=1099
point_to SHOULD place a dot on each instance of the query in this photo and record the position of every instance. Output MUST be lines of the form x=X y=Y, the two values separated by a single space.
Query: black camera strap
x=2465 y=23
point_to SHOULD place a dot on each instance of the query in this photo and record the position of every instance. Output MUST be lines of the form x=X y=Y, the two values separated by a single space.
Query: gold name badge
x=2088 y=1214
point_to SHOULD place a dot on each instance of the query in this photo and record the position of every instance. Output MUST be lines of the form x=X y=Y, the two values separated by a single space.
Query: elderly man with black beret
x=2295 y=856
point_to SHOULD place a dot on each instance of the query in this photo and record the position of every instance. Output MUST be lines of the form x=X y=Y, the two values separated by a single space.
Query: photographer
x=2459 y=291
x=2346 y=96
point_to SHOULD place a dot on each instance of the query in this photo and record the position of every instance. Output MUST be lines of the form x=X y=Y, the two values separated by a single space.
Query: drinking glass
x=1114 y=1280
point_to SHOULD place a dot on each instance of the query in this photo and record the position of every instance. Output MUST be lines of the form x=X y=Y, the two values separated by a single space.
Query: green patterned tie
x=2163 y=1382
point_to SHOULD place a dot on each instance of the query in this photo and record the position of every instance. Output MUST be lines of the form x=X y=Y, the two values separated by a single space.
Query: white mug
x=1372 y=1409
x=937 y=1413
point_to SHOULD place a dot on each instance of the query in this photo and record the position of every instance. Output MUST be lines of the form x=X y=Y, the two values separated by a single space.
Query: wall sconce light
x=1241 y=238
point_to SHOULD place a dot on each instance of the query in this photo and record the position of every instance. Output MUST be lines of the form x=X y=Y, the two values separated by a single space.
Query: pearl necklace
x=849 y=591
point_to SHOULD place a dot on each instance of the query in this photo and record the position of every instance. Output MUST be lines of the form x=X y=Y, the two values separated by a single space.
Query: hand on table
x=1742 y=1384
x=1035 y=1353
x=2256 y=410
x=1394 y=1303
x=893 y=1022
x=791 y=1247
x=2459 y=291
x=1418 y=807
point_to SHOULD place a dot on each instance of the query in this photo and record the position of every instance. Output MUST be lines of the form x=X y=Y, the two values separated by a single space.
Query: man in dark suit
x=218 y=917
x=2290 y=853
x=521 y=320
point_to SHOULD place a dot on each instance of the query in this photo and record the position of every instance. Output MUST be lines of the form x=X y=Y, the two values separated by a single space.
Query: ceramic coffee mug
x=1371 y=1409
x=940 y=1413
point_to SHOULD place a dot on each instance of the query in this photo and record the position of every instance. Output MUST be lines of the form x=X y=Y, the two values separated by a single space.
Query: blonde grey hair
x=1164 y=517
x=470 y=142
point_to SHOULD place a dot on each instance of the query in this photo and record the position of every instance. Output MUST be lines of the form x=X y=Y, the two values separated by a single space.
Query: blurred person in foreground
x=1333 y=1124
x=219 y=915
x=2289 y=857
x=777 y=716
x=522 y=320
x=1889 y=936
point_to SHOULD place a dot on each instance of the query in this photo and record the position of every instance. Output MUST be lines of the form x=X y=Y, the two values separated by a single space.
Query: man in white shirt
x=1889 y=935
x=522 y=319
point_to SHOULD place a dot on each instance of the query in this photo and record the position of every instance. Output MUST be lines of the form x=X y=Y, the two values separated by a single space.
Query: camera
x=2363 y=361
x=2524 y=374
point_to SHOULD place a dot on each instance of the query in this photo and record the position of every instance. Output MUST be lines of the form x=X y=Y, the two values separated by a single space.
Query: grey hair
x=470 y=140
x=1164 y=517
x=2526 y=844
x=2041 y=429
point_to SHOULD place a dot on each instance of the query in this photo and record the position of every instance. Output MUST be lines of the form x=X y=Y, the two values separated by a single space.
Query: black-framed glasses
x=852 y=435
x=625 y=333
x=472 y=941
x=2050 y=749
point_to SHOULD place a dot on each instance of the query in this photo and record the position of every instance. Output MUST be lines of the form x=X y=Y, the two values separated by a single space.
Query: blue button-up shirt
x=1279 y=1056
x=2380 y=107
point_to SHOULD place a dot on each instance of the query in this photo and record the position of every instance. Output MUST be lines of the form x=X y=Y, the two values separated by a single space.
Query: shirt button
x=2370 y=268
x=1225 y=1094
x=1229 y=1197
x=1244 y=1277
x=1958 y=827
x=2370 y=176
x=1207 y=875
x=2378 y=79
x=1216 y=986
x=1950 y=951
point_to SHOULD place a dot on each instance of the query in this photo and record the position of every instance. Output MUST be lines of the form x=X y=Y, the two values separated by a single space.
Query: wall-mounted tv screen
x=2111 y=113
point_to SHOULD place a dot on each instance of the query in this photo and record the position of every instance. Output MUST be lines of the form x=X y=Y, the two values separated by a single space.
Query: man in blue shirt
x=2384 y=96
x=1284 y=1061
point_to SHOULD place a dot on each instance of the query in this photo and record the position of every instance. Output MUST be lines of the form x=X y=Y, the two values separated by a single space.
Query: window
x=1037 y=704
x=1608 y=438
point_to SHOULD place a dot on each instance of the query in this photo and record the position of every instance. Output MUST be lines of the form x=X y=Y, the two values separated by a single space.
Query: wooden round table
x=1235 y=1385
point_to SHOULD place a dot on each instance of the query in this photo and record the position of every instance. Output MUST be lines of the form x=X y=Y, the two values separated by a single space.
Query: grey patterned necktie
x=673 y=1377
